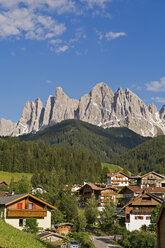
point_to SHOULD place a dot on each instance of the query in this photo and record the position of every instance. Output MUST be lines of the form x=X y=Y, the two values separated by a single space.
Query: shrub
x=31 y=225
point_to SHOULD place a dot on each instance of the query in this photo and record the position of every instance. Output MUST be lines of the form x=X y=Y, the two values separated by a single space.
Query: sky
x=76 y=44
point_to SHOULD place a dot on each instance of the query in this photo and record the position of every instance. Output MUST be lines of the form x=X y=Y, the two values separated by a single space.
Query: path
x=104 y=242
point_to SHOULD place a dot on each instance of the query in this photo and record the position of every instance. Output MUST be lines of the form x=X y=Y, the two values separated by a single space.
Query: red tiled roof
x=151 y=190
x=155 y=190
x=94 y=187
x=135 y=189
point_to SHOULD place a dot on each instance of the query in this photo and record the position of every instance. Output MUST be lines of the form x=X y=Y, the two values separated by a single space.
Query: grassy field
x=112 y=167
x=11 y=237
x=6 y=176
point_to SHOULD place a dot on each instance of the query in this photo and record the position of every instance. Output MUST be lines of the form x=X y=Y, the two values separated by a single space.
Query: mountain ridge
x=101 y=107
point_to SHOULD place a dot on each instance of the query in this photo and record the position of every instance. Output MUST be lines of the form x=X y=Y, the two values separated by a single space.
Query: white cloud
x=62 y=49
x=55 y=42
x=49 y=81
x=58 y=5
x=18 y=22
x=156 y=86
x=37 y=20
x=100 y=35
x=158 y=99
x=112 y=35
x=92 y=3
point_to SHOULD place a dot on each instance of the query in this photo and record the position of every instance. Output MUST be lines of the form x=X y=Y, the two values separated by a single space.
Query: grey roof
x=9 y=198
x=46 y=234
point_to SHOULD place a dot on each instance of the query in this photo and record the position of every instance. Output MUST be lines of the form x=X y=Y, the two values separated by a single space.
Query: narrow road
x=104 y=242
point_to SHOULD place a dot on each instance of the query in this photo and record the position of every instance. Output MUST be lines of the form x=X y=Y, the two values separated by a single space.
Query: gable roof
x=3 y=182
x=10 y=199
x=159 y=175
x=47 y=234
x=95 y=187
x=116 y=173
x=158 y=199
x=136 y=189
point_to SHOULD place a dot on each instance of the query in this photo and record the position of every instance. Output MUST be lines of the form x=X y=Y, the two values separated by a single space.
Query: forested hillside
x=145 y=157
x=104 y=144
x=72 y=165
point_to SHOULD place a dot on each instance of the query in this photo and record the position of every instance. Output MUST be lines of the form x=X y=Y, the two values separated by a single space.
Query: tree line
x=70 y=165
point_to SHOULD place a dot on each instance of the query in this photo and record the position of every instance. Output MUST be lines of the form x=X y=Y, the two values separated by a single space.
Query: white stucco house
x=14 y=209
x=138 y=210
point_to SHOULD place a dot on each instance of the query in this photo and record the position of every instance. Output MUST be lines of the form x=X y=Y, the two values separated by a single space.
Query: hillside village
x=133 y=200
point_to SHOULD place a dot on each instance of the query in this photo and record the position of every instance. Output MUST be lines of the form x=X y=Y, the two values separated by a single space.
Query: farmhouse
x=119 y=179
x=102 y=194
x=14 y=209
x=129 y=192
x=138 y=210
x=150 y=179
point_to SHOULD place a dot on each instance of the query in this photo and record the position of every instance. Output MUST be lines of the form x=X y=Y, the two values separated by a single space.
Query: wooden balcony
x=141 y=211
x=26 y=213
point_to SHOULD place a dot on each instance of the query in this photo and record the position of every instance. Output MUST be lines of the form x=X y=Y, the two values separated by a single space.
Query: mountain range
x=101 y=107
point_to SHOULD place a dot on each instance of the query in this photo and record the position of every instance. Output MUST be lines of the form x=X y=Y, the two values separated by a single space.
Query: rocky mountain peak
x=100 y=107
x=162 y=113
x=59 y=91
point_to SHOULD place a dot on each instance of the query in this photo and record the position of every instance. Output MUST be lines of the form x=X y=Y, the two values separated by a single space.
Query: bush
x=137 y=239
x=31 y=225
x=84 y=239
x=80 y=222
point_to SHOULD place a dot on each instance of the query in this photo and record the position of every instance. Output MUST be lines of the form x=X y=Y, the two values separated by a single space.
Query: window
x=139 y=217
x=20 y=222
x=30 y=205
x=19 y=205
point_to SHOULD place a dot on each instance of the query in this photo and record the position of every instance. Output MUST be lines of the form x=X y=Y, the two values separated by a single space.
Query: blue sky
x=76 y=44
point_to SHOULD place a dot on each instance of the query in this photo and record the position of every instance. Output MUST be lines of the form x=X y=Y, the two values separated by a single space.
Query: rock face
x=100 y=107
x=6 y=127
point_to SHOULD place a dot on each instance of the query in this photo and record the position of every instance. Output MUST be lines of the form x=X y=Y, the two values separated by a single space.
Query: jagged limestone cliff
x=100 y=107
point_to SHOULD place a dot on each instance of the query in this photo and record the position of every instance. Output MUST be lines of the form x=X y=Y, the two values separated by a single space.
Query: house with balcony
x=138 y=210
x=129 y=192
x=117 y=179
x=14 y=209
x=151 y=179
x=103 y=193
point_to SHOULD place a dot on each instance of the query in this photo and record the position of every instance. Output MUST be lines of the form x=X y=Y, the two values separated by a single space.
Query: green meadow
x=11 y=237
x=6 y=176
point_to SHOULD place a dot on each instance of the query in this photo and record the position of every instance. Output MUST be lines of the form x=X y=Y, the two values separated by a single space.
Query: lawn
x=11 y=237
x=6 y=176
x=113 y=168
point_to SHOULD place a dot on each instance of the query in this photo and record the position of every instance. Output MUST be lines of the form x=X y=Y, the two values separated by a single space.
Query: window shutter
x=135 y=217
x=34 y=206
x=142 y=217
x=19 y=205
